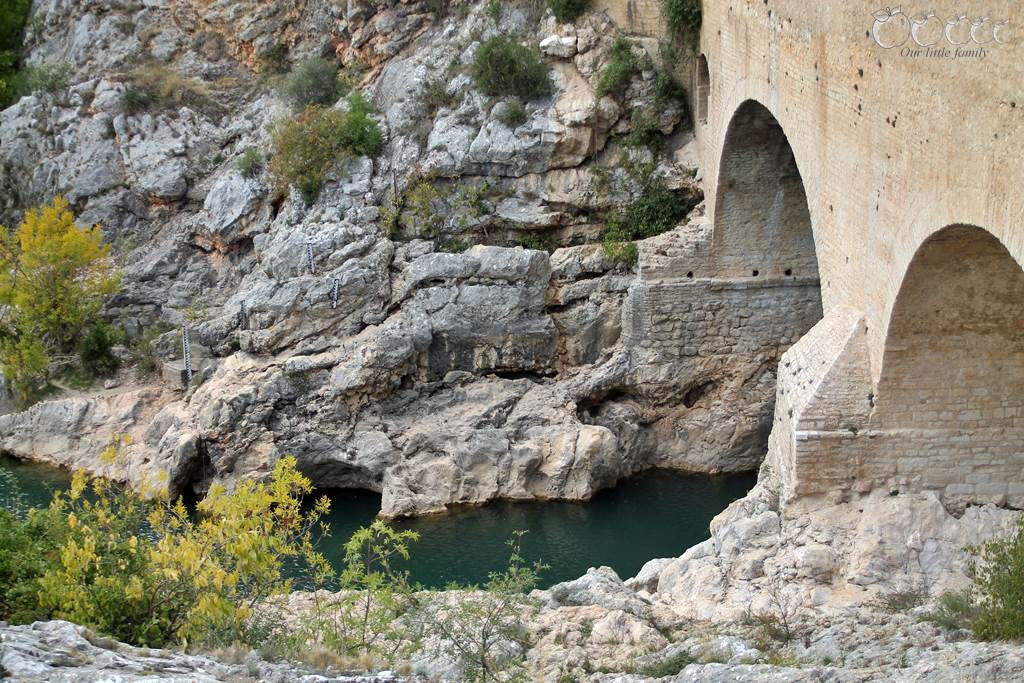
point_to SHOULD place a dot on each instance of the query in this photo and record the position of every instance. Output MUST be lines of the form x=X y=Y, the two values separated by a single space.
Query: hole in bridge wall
x=702 y=90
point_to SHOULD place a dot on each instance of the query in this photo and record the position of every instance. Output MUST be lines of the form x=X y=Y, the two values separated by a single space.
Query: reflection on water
x=655 y=514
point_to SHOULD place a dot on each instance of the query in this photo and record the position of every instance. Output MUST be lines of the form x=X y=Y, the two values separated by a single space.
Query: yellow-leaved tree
x=53 y=277
x=150 y=573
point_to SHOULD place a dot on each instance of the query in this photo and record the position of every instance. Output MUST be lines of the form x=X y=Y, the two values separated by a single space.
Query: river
x=654 y=514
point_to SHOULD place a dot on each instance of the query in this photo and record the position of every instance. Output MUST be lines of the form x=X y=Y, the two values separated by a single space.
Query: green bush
x=644 y=131
x=307 y=147
x=683 y=19
x=474 y=630
x=250 y=163
x=503 y=67
x=622 y=66
x=274 y=59
x=668 y=667
x=999 y=580
x=313 y=81
x=13 y=16
x=954 y=610
x=143 y=354
x=435 y=96
x=42 y=78
x=568 y=10
x=137 y=100
x=94 y=350
x=28 y=548
x=511 y=112
x=656 y=209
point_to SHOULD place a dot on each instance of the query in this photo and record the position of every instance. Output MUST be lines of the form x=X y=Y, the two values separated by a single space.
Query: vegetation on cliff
x=13 y=15
x=568 y=10
x=683 y=18
x=503 y=67
x=309 y=146
x=53 y=278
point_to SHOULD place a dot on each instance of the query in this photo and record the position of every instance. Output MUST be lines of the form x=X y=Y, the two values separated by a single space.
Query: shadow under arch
x=762 y=223
x=951 y=387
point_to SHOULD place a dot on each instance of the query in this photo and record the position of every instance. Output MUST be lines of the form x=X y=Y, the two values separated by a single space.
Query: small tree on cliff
x=53 y=277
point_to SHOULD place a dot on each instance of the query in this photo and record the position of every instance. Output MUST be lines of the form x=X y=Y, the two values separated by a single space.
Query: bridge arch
x=950 y=392
x=762 y=222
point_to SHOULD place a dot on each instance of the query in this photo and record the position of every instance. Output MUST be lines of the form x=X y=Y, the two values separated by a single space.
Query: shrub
x=13 y=16
x=53 y=277
x=438 y=9
x=143 y=354
x=683 y=19
x=42 y=78
x=154 y=87
x=313 y=81
x=953 y=610
x=150 y=574
x=28 y=548
x=94 y=350
x=137 y=100
x=378 y=591
x=644 y=130
x=621 y=67
x=435 y=96
x=656 y=209
x=494 y=8
x=307 y=147
x=503 y=67
x=475 y=630
x=902 y=600
x=511 y=112
x=618 y=245
x=999 y=579
x=274 y=59
x=668 y=667
x=250 y=163
x=533 y=241
x=568 y=10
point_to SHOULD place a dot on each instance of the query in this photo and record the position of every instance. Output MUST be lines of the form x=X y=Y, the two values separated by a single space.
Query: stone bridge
x=890 y=181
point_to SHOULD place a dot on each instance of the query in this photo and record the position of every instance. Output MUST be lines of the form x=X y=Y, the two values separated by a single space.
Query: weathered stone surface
x=61 y=652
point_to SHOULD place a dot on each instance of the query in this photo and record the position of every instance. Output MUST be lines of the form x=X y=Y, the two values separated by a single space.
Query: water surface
x=654 y=514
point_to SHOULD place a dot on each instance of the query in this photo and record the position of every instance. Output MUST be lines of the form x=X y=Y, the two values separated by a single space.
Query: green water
x=655 y=514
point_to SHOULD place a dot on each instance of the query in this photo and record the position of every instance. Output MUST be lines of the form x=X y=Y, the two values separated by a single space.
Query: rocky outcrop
x=824 y=554
x=61 y=652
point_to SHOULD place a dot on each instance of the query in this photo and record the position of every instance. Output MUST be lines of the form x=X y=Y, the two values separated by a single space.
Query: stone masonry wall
x=891 y=147
x=715 y=344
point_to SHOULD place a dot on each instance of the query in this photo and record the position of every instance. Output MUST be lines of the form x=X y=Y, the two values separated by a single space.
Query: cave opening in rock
x=951 y=386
